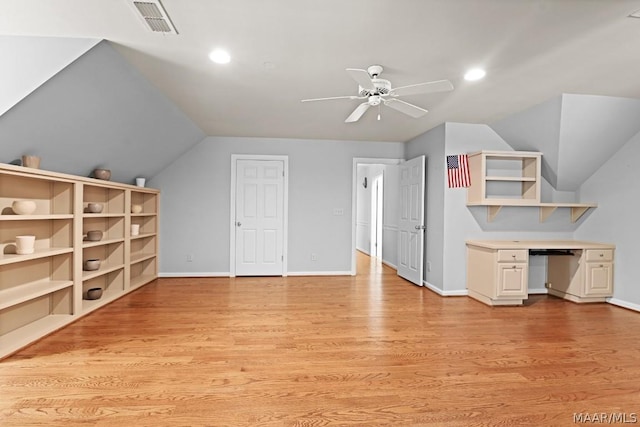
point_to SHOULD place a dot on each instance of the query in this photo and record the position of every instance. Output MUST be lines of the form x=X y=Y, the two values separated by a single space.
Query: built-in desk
x=497 y=270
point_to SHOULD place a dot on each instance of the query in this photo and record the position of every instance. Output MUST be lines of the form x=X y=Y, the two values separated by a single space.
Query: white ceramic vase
x=135 y=229
x=25 y=244
x=140 y=181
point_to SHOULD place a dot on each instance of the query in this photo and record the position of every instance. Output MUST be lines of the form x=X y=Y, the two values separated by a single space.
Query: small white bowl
x=23 y=207
x=136 y=209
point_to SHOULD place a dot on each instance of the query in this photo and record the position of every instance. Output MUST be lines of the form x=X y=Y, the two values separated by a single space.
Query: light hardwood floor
x=370 y=350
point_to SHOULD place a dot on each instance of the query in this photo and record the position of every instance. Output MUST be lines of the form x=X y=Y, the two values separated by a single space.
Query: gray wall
x=28 y=62
x=98 y=112
x=576 y=134
x=195 y=202
x=535 y=129
x=616 y=218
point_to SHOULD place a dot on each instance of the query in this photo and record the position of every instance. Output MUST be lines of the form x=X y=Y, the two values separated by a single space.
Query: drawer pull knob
x=601 y=255
x=515 y=266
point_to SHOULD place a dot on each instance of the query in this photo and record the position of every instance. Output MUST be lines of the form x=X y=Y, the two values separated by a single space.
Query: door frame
x=354 y=196
x=377 y=209
x=285 y=208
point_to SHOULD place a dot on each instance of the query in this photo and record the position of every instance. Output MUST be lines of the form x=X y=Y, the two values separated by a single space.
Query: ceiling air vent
x=155 y=16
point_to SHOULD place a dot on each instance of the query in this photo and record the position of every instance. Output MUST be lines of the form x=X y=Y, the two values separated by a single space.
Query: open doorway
x=374 y=210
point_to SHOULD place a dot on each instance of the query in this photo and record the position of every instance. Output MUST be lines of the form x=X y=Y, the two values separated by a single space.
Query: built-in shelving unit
x=512 y=178
x=45 y=290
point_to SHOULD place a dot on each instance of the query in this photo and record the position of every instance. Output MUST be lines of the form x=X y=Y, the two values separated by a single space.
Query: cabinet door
x=512 y=280
x=599 y=279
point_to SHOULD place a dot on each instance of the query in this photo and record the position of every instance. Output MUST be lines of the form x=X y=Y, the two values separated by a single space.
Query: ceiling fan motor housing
x=382 y=87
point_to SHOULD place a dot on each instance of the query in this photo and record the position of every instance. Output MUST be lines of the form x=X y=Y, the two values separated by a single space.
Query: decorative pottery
x=94 y=293
x=136 y=208
x=104 y=174
x=91 y=264
x=94 y=207
x=94 y=235
x=140 y=181
x=31 y=162
x=25 y=244
x=23 y=207
x=135 y=229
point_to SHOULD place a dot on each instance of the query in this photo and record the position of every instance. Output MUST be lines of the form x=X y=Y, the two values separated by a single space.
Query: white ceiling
x=532 y=50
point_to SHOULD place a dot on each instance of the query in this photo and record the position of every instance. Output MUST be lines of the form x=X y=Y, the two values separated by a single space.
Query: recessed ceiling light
x=474 y=74
x=220 y=56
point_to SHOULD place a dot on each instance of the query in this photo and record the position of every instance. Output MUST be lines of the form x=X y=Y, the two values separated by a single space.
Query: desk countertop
x=538 y=244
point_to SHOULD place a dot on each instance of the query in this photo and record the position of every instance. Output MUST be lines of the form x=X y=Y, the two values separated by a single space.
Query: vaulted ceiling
x=287 y=50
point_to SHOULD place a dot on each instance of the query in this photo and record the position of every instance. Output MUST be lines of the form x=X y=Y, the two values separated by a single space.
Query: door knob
x=238 y=223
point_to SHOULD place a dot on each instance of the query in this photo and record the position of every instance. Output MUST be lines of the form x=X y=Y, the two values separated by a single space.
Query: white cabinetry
x=512 y=178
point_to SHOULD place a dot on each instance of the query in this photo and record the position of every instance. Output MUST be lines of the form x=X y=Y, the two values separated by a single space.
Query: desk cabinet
x=587 y=277
x=497 y=271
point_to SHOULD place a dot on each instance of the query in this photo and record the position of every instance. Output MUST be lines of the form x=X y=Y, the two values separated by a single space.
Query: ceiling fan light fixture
x=220 y=56
x=474 y=74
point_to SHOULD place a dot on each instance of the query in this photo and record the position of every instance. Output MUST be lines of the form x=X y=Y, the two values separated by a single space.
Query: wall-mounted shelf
x=546 y=209
x=43 y=291
x=512 y=178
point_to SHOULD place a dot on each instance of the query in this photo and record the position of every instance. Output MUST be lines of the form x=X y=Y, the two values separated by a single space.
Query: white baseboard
x=389 y=264
x=319 y=273
x=459 y=293
x=195 y=274
x=624 y=304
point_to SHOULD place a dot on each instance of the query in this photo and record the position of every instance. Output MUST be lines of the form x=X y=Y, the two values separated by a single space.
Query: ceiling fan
x=376 y=92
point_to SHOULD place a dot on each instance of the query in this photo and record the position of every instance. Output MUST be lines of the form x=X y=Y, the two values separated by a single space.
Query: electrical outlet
x=314 y=257
x=189 y=257
x=338 y=211
x=428 y=265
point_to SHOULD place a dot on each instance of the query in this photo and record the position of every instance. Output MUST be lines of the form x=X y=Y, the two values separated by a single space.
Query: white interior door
x=259 y=217
x=411 y=220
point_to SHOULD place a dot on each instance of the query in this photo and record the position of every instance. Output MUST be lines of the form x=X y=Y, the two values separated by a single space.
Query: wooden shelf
x=511 y=178
x=29 y=333
x=138 y=281
x=34 y=217
x=136 y=258
x=143 y=236
x=28 y=291
x=546 y=209
x=519 y=167
x=90 y=244
x=38 y=253
x=46 y=285
x=104 y=269
x=103 y=215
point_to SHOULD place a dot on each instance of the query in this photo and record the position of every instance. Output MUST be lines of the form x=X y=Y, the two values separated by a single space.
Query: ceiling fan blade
x=333 y=97
x=429 y=87
x=406 y=108
x=357 y=113
x=362 y=78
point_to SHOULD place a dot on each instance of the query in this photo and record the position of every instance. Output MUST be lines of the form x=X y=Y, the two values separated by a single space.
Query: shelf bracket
x=546 y=211
x=577 y=212
x=492 y=211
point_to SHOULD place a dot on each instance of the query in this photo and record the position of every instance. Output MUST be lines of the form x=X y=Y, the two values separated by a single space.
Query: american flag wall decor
x=458 y=171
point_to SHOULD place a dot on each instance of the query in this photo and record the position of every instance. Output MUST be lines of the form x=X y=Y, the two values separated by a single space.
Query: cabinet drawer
x=511 y=255
x=599 y=255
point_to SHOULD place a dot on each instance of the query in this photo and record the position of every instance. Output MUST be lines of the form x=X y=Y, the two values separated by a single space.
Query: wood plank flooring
x=370 y=350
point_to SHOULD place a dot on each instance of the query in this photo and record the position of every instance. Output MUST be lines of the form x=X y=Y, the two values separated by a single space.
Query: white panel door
x=259 y=217
x=411 y=220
